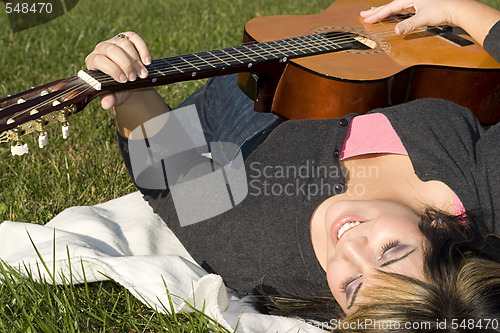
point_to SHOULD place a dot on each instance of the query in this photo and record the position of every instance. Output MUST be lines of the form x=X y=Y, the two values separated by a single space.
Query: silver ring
x=118 y=37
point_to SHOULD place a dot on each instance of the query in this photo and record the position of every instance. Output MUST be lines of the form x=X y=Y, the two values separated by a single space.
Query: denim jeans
x=227 y=115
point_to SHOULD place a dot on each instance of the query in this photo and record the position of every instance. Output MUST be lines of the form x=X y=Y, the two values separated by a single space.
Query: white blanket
x=124 y=240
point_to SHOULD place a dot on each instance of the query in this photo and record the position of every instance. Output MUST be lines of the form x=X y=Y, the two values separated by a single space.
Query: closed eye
x=390 y=250
x=389 y=262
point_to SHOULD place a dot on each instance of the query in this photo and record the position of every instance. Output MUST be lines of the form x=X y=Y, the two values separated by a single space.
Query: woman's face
x=366 y=236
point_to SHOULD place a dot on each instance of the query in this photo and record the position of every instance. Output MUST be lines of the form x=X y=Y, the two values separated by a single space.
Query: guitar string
x=280 y=48
x=180 y=63
x=55 y=98
x=175 y=62
x=190 y=64
x=81 y=84
x=324 y=42
x=296 y=47
x=382 y=23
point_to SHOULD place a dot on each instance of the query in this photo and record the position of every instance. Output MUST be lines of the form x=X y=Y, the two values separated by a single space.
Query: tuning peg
x=43 y=139
x=62 y=116
x=65 y=130
x=19 y=148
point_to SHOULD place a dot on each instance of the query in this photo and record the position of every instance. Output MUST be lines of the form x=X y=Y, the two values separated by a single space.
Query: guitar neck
x=245 y=58
x=32 y=110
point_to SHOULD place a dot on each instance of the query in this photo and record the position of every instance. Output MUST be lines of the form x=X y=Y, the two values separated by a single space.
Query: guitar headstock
x=35 y=109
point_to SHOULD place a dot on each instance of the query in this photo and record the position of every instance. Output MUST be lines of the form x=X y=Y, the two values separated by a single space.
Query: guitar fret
x=313 y=46
x=153 y=68
x=249 y=48
x=230 y=55
x=211 y=53
x=202 y=59
x=221 y=54
x=189 y=62
x=242 y=53
x=272 y=46
x=330 y=46
x=209 y=58
x=171 y=65
x=180 y=63
x=290 y=48
x=262 y=46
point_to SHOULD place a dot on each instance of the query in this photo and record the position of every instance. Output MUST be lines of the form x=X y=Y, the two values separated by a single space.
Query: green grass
x=87 y=168
x=27 y=306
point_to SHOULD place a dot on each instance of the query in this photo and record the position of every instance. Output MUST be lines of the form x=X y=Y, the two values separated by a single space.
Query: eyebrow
x=385 y=264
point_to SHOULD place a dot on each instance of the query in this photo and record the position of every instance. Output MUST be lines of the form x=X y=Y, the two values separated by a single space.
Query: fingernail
x=132 y=76
x=144 y=73
x=400 y=30
x=147 y=61
x=123 y=78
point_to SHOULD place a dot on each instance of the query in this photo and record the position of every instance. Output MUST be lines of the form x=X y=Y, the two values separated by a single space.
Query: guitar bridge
x=370 y=43
x=447 y=32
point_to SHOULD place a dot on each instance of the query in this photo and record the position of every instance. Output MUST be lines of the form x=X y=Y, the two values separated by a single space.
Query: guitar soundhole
x=370 y=43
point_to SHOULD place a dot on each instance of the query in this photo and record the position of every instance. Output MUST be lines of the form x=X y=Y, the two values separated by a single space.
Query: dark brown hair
x=461 y=291
x=461 y=287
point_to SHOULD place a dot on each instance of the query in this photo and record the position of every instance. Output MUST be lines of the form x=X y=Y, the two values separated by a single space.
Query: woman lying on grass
x=396 y=229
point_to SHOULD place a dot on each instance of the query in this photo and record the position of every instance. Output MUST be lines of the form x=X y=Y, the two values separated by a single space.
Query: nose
x=357 y=252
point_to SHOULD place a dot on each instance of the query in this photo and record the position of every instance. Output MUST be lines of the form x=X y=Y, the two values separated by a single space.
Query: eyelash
x=346 y=282
x=386 y=247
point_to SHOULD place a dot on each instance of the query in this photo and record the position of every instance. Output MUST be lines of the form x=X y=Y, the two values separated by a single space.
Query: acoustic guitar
x=311 y=66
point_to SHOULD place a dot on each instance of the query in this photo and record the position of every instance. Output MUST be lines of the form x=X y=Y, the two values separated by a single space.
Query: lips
x=344 y=224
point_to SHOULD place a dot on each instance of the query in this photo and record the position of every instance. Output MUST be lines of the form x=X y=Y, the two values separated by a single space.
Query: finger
x=410 y=24
x=108 y=101
x=380 y=13
x=117 y=70
x=368 y=12
x=121 y=57
x=137 y=48
x=131 y=50
x=140 y=46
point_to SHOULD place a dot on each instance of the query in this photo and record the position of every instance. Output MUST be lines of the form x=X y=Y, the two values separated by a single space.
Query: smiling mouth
x=346 y=227
x=344 y=224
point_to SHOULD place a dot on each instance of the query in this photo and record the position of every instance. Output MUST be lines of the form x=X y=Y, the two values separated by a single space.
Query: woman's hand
x=427 y=12
x=123 y=57
x=475 y=17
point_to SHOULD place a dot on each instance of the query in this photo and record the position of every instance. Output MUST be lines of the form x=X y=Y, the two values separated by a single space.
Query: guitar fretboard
x=241 y=58
x=248 y=54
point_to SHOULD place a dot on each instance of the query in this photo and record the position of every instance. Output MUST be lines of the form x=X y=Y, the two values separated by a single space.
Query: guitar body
x=394 y=69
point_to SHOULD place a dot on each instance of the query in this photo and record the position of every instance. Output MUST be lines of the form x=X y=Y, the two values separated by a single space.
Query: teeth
x=346 y=227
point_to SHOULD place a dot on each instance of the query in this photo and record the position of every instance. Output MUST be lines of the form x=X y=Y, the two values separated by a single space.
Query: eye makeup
x=388 y=251
x=350 y=287
x=387 y=247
